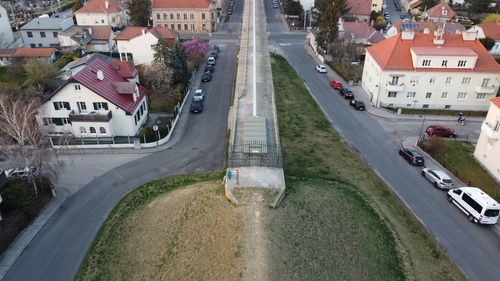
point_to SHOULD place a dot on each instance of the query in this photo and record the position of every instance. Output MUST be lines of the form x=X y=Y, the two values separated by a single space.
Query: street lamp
x=421 y=128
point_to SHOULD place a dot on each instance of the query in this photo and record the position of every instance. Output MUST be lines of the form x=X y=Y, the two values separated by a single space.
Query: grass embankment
x=179 y=228
x=315 y=151
x=416 y=111
x=458 y=158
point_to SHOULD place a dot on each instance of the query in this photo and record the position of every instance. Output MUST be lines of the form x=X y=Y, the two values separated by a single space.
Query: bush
x=434 y=146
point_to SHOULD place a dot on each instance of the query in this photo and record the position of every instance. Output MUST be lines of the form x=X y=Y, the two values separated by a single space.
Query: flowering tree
x=195 y=50
x=157 y=77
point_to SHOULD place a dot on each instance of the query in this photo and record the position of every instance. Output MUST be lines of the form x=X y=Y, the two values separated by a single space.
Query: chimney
x=426 y=30
x=407 y=35
x=90 y=30
x=100 y=75
x=143 y=31
x=106 y=3
x=469 y=35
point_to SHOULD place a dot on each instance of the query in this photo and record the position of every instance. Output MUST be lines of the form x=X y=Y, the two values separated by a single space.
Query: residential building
x=44 y=31
x=441 y=12
x=97 y=38
x=487 y=150
x=185 y=16
x=7 y=56
x=140 y=41
x=102 y=12
x=358 y=35
x=490 y=30
x=361 y=9
x=436 y=71
x=72 y=68
x=102 y=99
x=427 y=26
x=411 y=6
x=6 y=35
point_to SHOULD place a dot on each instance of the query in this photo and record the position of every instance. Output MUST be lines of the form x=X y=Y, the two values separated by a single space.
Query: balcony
x=486 y=90
x=390 y=87
x=92 y=116
x=490 y=131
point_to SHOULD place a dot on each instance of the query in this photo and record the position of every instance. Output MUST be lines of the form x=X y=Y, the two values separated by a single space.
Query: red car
x=436 y=130
x=336 y=85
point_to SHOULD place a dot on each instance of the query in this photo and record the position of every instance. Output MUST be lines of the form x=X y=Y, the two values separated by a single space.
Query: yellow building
x=185 y=16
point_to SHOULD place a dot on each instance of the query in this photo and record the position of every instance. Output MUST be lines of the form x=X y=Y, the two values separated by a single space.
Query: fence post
x=128 y=139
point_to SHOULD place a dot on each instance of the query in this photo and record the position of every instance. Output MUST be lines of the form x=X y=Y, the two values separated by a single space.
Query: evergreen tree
x=162 y=52
x=77 y=5
x=327 y=15
x=178 y=64
x=139 y=12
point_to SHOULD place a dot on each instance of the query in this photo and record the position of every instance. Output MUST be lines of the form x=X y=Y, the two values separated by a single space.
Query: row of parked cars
x=230 y=8
x=343 y=91
x=199 y=94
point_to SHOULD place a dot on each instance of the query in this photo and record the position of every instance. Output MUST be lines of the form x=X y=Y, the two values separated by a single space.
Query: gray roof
x=45 y=23
x=86 y=60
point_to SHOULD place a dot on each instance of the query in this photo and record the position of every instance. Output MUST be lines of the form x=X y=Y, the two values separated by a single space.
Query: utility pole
x=305 y=17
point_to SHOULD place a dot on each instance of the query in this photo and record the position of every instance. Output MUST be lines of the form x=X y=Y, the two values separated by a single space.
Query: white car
x=438 y=178
x=321 y=68
x=199 y=95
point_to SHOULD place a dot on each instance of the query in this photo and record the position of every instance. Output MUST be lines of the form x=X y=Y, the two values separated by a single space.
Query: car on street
x=209 y=67
x=476 y=204
x=216 y=48
x=196 y=106
x=275 y=6
x=229 y=11
x=211 y=60
x=441 y=131
x=356 y=104
x=206 y=77
x=413 y=157
x=438 y=178
x=336 y=84
x=402 y=16
x=199 y=95
x=321 y=68
x=214 y=54
x=346 y=93
x=22 y=172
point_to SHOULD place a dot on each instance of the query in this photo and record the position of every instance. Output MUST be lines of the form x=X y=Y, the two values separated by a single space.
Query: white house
x=6 y=35
x=102 y=99
x=490 y=30
x=102 y=12
x=487 y=150
x=43 y=31
x=436 y=71
x=140 y=41
x=97 y=38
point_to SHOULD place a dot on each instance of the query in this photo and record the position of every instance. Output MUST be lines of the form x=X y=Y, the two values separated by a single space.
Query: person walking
x=237 y=176
x=229 y=175
x=461 y=119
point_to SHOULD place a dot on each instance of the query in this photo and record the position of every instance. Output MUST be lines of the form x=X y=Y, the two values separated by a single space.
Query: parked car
x=211 y=60
x=477 y=205
x=206 y=77
x=437 y=130
x=196 y=106
x=336 y=84
x=438 y=178
x=199 y=95
x=413 y=157
x=229 y=11
x=359 y=105
x=216 y=48
x=346 y=93
x=321 y=68
x=209 y=67
x=214 y=54
x=22 y=172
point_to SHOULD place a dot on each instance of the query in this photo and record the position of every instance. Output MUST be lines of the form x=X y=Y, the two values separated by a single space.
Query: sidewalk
x=381 y=112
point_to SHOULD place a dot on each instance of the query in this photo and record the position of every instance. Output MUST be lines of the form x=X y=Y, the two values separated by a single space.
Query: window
x=204 y=27
x=481 y=96
x=60 y=121
x=102 y=21
x=30 y=34
x=172 y=26
x=432 y=80
x=166 y=26
x=58 y=105
x=32 y=45
x=77 y=87
x=474 y=205
x=178 y=16
x=444 y=95
x=461 y=63
x=83 y=130
x=447 y=106
x=410 y=95
x=82 y=106
x=466 y=81
x=92 y=130
x=461 y=96
x=394 y=80
x=414 y=80
x=185 y=16
x=202 y=16
x=179 y=26
x=100 y=105
x=192 y=27
x=102 y=130
x=485 y=83
x=165 y=16
x=448 y=80
x=374 y=5
x=444 y=63
x=171 y=16
x=54 y=34
x=444 y=12
x=425 y=106
x=47 y=121
x=426 y=62
x=39 y=45
x=392 y=94
x=428 y=95
x=191 y=16
x=212 y=16
x=185 y=26
x=491 y=213
x=158 y=16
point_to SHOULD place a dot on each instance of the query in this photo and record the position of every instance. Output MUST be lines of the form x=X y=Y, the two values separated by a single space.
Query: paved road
x=473 y=247
x=198 y=146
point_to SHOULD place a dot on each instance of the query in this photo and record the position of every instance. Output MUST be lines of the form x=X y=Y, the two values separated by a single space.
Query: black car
x=213 y=54
x=413 y=157
x=207 y=76
x=346 y=93
x=216 y=49
x=209 y=68
x=196 y=106
x=359 y=105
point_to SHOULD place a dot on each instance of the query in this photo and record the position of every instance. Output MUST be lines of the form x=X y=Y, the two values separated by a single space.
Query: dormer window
x=444 y=63
x=426 y=62
x=461 y=63
x=444 y=12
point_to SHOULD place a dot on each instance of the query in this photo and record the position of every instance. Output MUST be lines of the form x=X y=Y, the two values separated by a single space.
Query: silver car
x=438 y=178
x=199 y=95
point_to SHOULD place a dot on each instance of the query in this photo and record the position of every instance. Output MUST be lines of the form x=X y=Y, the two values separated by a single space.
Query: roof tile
x=99 y=6
x=182 y=4
x=359 y=7
x=437 y=11
x=158 y=31
x=491 y=30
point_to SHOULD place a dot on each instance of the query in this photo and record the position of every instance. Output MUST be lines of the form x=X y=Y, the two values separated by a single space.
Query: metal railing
x=255 y=153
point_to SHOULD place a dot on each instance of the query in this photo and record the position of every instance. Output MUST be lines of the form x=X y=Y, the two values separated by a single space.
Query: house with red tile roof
x=186 y=16
x=8 y=55
x=490 y=30
x=427 y=26
x=360 y=9
x=100 y=100
x=487 y=151
x=139 y=42
x=359 y=35
x=441 y=12
x=102 y=12
x=433 y=70
x=96 y=38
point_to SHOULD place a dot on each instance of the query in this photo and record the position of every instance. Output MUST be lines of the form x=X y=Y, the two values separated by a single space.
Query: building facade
x=102 y=12
x=487 y=150
x=6 y=35
x=187 y=16
x=102 y=99
x=97 y=38
x=44 y=32
x=434 y=71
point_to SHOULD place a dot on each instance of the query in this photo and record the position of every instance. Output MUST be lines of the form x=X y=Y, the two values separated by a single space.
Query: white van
x=477 y=205
x=211 y=60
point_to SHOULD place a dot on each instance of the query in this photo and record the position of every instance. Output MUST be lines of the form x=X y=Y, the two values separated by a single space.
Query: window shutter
x=105 y=105
x=95 y=106
x=66 y=105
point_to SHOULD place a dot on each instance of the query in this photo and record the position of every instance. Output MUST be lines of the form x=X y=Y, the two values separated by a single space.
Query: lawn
x=416 y=111
x=458 y=158
x=9 y=78
x=314 y=151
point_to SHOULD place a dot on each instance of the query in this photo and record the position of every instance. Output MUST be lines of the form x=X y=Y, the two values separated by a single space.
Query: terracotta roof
x=125 y=69
x=359 y=7
x=394 y=53
x=436 y=11
x=448 y=51
x=182 y=4
x=362 y=31
x=101 y=32
x=158 y=31
x=415 y=4
x=420 y=26
x=27 y=52
x=491 y=30
x=99 y=6
x=496 y=101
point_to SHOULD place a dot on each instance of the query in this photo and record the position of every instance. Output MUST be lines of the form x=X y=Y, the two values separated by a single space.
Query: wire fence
x=255 y=153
